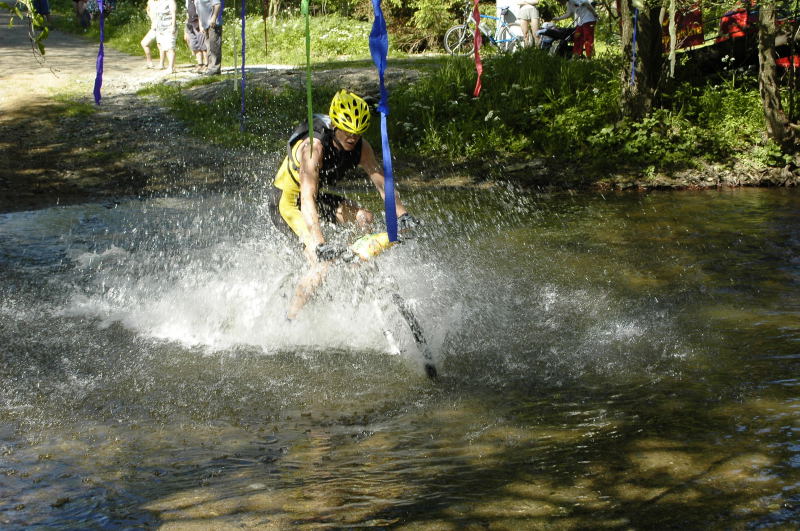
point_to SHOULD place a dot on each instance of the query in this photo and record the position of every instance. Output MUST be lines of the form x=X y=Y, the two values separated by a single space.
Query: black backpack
x=322 y=123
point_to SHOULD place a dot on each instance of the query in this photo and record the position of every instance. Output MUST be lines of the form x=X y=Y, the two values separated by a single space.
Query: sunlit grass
x=333 y=37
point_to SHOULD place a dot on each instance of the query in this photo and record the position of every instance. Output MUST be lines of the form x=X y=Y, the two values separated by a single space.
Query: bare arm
x=570 y=12
x=214 y=15
x=309 y=187
x=173 y=10
x=375 y=173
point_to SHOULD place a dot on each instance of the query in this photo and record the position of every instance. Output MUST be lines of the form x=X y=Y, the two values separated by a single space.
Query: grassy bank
x=532 y=106
x=535 y=105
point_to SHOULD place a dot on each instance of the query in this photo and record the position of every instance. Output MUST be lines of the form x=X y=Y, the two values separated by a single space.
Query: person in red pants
x=585 y=20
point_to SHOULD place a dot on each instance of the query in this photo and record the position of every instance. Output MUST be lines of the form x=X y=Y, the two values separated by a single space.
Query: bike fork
x=416 y=331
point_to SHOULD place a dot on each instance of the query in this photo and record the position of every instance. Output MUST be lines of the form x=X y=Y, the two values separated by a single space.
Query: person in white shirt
x=209 y=14
x=507 y=10
x=585 y=20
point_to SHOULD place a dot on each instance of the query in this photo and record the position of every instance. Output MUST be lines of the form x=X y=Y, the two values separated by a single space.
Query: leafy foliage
x=534 y=105
x=38 y=29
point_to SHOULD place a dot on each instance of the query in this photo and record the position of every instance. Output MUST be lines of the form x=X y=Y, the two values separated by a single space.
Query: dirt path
x=67 y=67
x=54 y=152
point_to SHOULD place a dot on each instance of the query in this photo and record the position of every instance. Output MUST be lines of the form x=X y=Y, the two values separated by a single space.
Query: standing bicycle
x=460 y=39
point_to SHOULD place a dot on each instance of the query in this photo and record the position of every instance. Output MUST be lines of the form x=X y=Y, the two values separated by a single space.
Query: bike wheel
x=419 y=336
x=459 y=40
x=508 y=40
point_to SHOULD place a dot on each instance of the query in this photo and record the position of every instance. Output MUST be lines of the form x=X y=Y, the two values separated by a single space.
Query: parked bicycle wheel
x=509 y=40
x=459 y=40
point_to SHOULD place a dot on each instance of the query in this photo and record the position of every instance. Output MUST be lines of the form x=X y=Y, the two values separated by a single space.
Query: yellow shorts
x=284 y=210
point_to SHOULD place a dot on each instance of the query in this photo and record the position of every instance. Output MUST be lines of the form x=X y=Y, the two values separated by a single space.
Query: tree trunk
x=673 y=37
x=641 y=72
x=778 y=127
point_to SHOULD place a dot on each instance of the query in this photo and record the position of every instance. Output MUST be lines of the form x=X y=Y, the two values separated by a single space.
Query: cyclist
x=297 y=202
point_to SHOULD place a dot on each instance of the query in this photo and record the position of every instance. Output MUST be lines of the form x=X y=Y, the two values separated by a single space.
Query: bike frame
x=387 y=285
x=500 y=25
x=504 y=37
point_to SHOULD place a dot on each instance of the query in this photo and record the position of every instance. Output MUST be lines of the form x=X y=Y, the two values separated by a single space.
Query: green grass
x=532 y=104
x=333 y=37
x=269 y=120
x=73 y=105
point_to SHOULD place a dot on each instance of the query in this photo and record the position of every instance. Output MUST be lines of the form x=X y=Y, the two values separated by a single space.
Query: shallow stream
x=618 y=361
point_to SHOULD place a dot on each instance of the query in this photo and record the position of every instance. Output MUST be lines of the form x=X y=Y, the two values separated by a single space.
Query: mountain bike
x=460 y=39
x=382 y=291
x=395 y=315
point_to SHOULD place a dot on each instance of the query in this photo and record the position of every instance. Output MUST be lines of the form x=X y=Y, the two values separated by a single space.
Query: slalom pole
x=98 y=80
x=633 y=44
x=241 y=119
x=264 y=8
x=379 y=49
x=476 y=14
x=310 y=103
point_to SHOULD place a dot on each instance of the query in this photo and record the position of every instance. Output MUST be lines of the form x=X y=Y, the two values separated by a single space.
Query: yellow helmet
x=349 y=113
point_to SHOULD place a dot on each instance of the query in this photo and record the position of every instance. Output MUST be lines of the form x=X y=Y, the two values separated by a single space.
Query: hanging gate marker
x=636 y=5
x=241 y=120
x=476 y=14
x=379 y=49
x=98 y=80
x=309 y=102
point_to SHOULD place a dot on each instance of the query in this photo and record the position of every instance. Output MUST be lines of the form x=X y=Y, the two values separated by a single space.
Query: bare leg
x=536 y=39
x=346 y=212
x=162 y=56
x=147 y=54
x=525 y=26
x=307 y=286
x=171 y=60
x=352 y=212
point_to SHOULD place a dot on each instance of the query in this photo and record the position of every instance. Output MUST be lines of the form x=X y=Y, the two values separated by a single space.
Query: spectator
x=195 y=37
x=84 y=18
x=529 y=21
x=209 y=13
x=165 y=15
x=43 y=8
x=151 y=35
x=93 y=8
x=585 y=20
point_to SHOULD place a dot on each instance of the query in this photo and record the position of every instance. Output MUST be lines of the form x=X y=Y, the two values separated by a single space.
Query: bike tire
x=508 y=40
x=419 y=337
x=459 y=40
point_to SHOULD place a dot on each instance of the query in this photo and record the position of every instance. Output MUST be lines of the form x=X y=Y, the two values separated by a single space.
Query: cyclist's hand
x=327 y=252
x=407 y=222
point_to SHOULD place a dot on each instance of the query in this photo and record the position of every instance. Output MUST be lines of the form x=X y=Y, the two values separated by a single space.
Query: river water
x=618 y=361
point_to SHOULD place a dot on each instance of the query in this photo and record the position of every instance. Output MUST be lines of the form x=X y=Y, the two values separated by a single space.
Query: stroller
x=556 y=40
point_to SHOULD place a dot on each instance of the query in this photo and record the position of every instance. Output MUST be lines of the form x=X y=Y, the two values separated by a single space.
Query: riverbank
x=59 y=148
